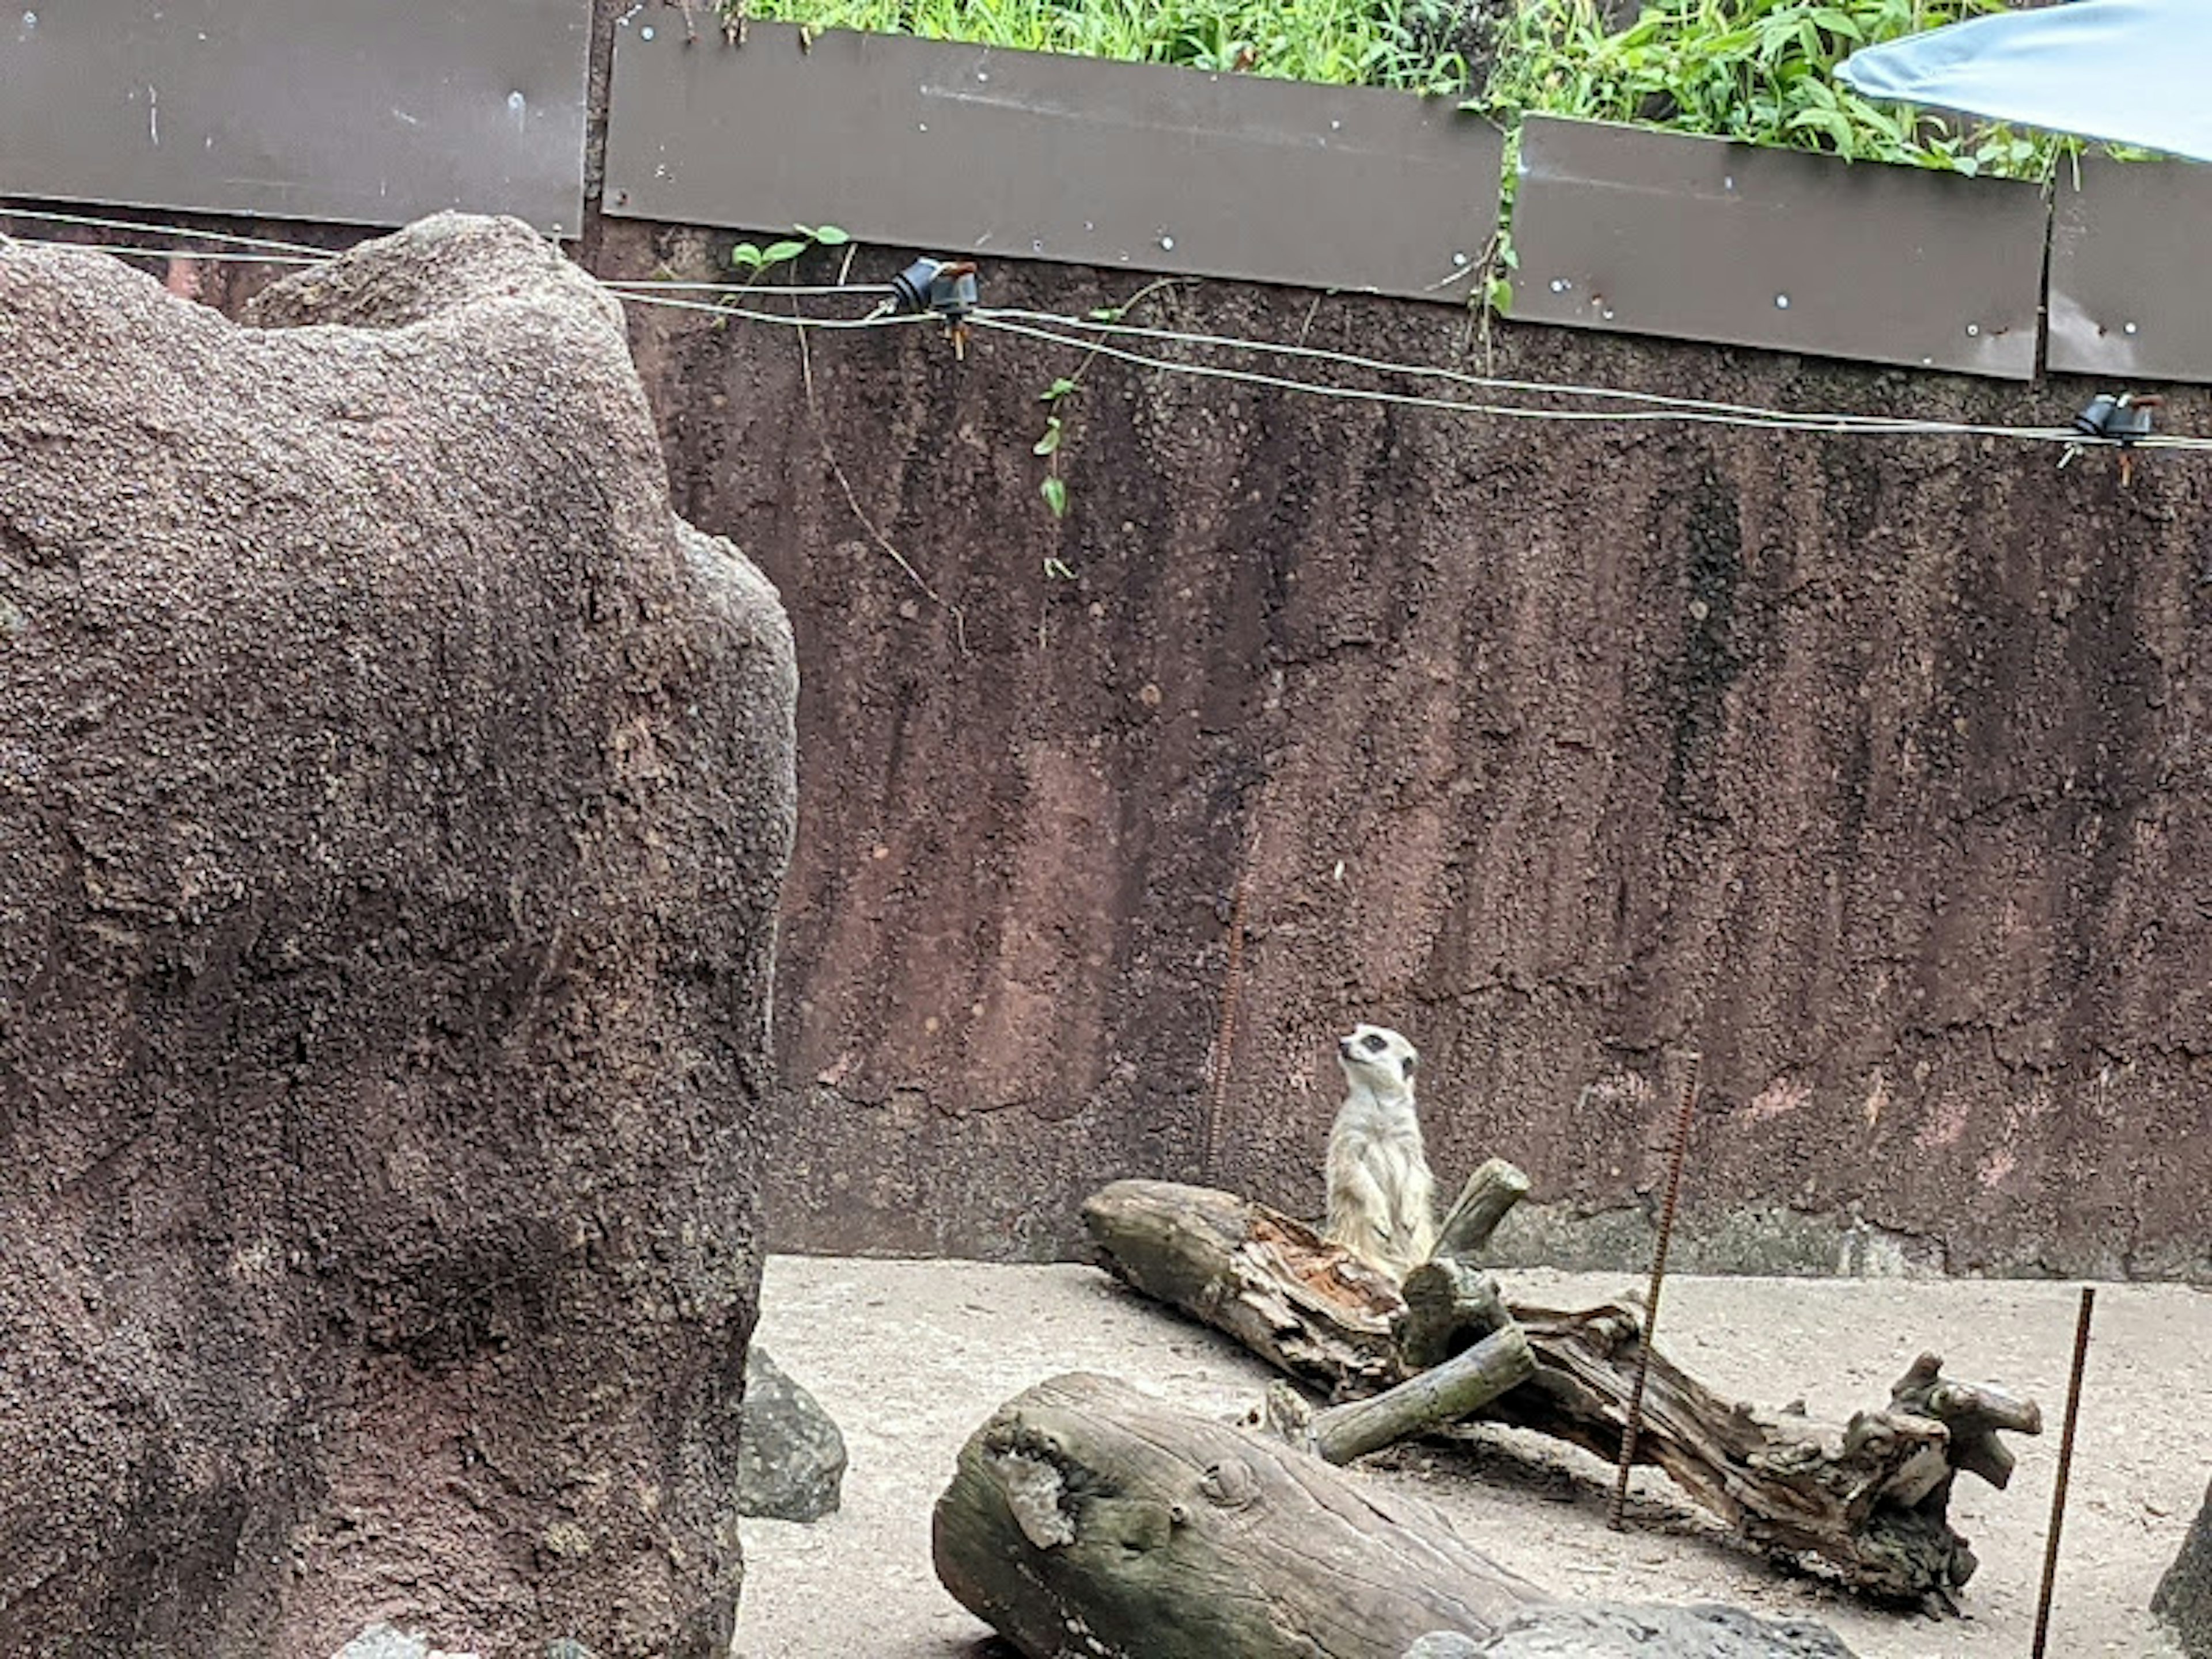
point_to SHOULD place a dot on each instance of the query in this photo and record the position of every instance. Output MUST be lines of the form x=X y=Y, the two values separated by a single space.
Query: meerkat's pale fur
x=1380 y=1195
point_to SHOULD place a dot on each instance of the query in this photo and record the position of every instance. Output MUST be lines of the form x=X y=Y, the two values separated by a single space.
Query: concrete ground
x=911 y=1356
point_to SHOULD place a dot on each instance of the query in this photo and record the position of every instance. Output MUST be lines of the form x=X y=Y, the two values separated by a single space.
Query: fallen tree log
x=1869 y=1498
x=1084 y=1519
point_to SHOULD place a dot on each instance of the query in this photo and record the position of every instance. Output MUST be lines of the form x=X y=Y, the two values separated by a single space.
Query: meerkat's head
x=1378 y=1059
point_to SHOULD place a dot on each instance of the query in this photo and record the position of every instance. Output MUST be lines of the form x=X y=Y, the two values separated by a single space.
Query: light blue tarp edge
x=2125 y=72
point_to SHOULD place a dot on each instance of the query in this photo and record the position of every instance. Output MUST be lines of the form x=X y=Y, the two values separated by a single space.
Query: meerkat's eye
x=1373 y=1044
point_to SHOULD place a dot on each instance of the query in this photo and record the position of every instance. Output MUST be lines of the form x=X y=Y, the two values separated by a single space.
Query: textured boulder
x=394 y=800
x=791 y=1458
x=2184 y=1598
x=1604 y=1631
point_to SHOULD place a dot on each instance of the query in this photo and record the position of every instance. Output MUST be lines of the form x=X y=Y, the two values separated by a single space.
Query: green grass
x=1759 y=70
x=1338 y=42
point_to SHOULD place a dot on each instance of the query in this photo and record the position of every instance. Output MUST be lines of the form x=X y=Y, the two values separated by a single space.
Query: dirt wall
x=1872 y=769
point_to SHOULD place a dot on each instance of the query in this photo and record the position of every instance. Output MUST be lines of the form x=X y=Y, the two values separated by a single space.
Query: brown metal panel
x=1654 y=233
x=973 y=148
x=2127 y=250
x=366 y=112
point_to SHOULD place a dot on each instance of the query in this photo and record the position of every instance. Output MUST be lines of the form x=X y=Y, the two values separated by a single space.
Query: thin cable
x=817 y=291
x=232 y=256
x=888 y=320
x=1772 y=421
x=1653 y=406
x=1424 y=371
x=234 y=241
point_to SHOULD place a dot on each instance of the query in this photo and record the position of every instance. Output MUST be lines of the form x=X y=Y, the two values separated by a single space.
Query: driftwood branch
x=1449 y=1306
x=1423 y=1403
x=1868 y=1497
x=1490 y=1193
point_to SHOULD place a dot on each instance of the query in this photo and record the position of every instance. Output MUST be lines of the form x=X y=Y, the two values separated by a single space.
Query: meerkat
x=1380 y=1194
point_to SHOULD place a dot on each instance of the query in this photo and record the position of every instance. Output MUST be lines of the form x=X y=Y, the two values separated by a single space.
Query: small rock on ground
x=791 y=1458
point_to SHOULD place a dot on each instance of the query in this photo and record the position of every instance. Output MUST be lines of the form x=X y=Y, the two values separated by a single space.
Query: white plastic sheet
x=2127 y=71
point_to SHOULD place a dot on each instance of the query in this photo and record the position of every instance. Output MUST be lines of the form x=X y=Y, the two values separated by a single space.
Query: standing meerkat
x=1380 y=1194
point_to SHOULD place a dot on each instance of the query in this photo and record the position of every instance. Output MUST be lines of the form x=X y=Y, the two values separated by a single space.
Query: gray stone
x=382 y=1641
x=1609 y=1631
x=791 y=1458
x=395 y=798
x=2184 y=1599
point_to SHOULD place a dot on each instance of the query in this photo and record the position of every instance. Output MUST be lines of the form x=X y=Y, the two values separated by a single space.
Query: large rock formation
x=394 y=798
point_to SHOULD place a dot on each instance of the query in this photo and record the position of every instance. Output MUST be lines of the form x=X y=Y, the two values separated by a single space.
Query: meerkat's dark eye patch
x=1372 y=1043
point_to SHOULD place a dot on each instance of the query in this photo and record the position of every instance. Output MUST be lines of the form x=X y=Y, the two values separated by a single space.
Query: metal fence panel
x=368 y=112
x=1653 y=233
x=980 y=150
x=2127 y=252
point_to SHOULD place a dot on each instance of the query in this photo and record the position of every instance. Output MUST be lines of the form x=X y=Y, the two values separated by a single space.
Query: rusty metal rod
x=1224 y=1040
x=2065 y=1465
x=1620 y=1504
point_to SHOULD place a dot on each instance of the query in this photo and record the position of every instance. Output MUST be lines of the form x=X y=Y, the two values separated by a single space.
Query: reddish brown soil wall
x=1874 y=768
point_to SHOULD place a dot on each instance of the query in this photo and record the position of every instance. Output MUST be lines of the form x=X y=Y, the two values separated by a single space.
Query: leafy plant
x=753 y=260
x=1054 y=488
x=1761 y=71
x=1054 y=398
x=1379 y=43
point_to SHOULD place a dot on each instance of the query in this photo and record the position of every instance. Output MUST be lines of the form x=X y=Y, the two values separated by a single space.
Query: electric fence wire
x=1095 y=336
x=42 y=215
x=1456 y=377
x=1682 y=410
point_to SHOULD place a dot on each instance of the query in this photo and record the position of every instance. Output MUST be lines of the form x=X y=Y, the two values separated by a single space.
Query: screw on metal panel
x=1619 y=1506
x=2065 y=1465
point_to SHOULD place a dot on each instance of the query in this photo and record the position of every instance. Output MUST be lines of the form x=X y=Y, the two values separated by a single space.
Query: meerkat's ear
x=1412 y=1062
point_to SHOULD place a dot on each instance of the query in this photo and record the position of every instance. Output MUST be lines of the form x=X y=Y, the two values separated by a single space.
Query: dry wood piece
x=1490 y=1193
x=1086 y=1518
x=1423 y=1403
x=1869 y=1498
x=1449 y=1306
x=1307 y=1307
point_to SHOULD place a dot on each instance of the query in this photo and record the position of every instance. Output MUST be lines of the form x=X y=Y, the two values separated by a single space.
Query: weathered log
x=1449 y=1306
x=1869 y=1497
x=1086 y=1518
x=1490 y=1193
x=1972 y=1413
x=1424 y=1402
x=1310 y=1309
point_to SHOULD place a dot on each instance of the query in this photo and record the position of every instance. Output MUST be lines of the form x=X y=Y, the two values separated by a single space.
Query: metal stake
x=2065 y=1465
x=1619 y=1503
x=1224 y=1040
